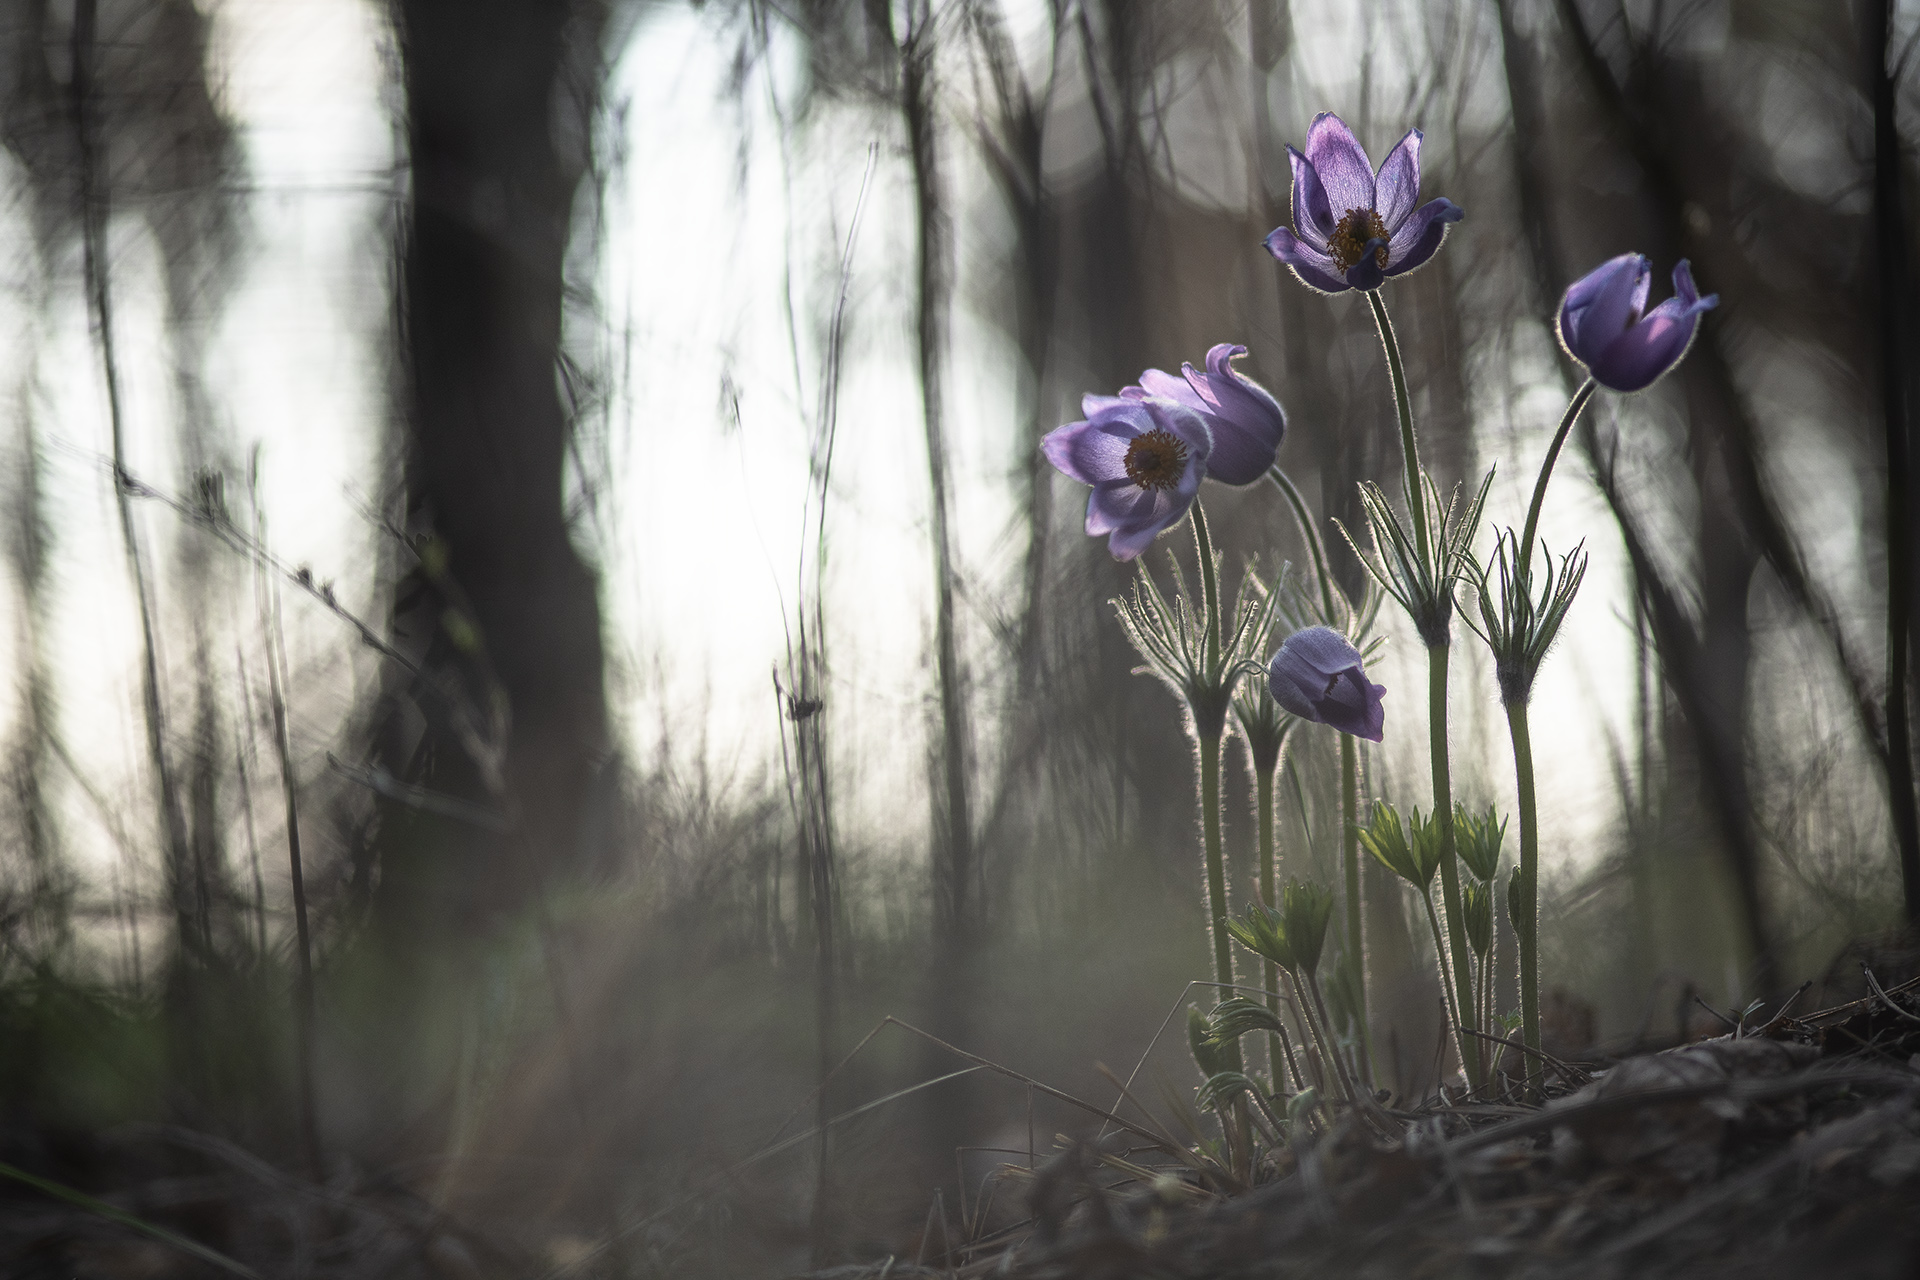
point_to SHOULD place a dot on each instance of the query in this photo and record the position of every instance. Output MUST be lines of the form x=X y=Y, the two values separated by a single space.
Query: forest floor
x=1788 y=1148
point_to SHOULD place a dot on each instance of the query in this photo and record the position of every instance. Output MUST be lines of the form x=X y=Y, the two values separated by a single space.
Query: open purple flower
x=1602 y=325
x=1317 y=676
x=1143 y=455
x=1247 y=423
x=1356 y=227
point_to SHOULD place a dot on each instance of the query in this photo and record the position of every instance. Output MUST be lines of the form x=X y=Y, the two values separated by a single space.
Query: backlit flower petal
x=1341 y=164
x=1083 y=452
x=1247 y=422
x=1419 y=237
x=1602 y=327
x=1397 y=188
x=1367 y=272
x=1637 y=358
x=1313 y=268
x=1317 y=675
x=1156 y=382
x=1116 y=504
x=1600 y=305
x=1311 y=217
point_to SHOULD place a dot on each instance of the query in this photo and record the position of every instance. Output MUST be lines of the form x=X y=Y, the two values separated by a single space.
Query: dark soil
x=1788 y=1149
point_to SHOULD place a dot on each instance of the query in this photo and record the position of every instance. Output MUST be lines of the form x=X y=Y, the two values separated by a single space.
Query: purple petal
x=1367 y=273
x=1322 y=650
x=1154 y=382
x=1686 y=293
x=1248 y=423
x=1600 y=305
x=1312 y=267
x=1637 y=358
x=1419 y=237
x=1352 y=705
x=1311 y=217
x=1117 y=504
x=1398 y=186
x=1126 y=544
x=1163 y=509
x=1341 y=164
x=1083 y=452
x=1287 y=691
x=1317 y=676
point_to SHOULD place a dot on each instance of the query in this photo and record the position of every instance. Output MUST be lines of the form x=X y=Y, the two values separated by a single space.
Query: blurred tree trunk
x=955 y=893
x=1894 y=285
x=499 y=101
x=1011 y=139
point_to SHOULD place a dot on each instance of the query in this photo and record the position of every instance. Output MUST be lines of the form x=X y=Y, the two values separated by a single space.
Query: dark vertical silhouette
x=499 y=96
x=1892 y=282
x=955 y=892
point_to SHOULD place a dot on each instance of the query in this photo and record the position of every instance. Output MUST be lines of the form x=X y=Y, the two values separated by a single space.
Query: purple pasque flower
x=1317 y=676
x=1602 y=326
x=1354 y=227
x=1144 y=456
x=1247 y=423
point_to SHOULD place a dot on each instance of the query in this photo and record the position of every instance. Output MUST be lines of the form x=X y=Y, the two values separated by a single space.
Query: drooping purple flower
x=1143 y=455
x=1602 y=326
x=1354 y=227
x=1246 y=421
x=1317 y=676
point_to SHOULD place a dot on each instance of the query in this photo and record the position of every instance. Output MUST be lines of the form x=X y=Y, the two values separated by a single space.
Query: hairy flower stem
x=1567 y=419
x=1349 y=764
x=1403 y=405
x=1350 y=862
x=1216 y=864
x=1447 y=989
x=1437 y=654
x=1526 y=912
x=1449 y=862
x=1263 y=809
x=1208 y=730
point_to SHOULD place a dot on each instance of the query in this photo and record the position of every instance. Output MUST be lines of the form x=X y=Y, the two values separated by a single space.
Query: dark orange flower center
x=1157 y=459
x=1356 y=227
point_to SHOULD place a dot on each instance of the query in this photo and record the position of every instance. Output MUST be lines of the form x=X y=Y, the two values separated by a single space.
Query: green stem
x=1446 y=973
x=1317 y=1042
x=1311 y=532
x=1209 y=735
x=1332 y=1047
x=1403 y=405
x=1216 y=862
x=1574 y=406
x=1263 y=807
x=1350 y=862
x=1526 y=912
x=1449 y=863
x=1209 y=587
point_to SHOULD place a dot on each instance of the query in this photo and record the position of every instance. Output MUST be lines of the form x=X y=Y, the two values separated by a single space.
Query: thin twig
x=1884 y=997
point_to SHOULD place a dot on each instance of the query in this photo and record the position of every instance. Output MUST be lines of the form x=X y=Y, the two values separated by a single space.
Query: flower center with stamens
x=1356 y=227
x=1156 y=459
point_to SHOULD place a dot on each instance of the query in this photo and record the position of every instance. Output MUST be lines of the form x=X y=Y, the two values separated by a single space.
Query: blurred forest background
x=428 y=424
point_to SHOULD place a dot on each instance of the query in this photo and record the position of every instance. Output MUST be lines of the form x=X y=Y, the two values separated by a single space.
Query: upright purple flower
x=1317 y=676
x=1602 y=327
x=1144 y=456
x=1246 y=421
x=1357 y=227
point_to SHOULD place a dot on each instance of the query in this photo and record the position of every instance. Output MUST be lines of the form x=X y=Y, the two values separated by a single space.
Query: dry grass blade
x=82 y=1200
